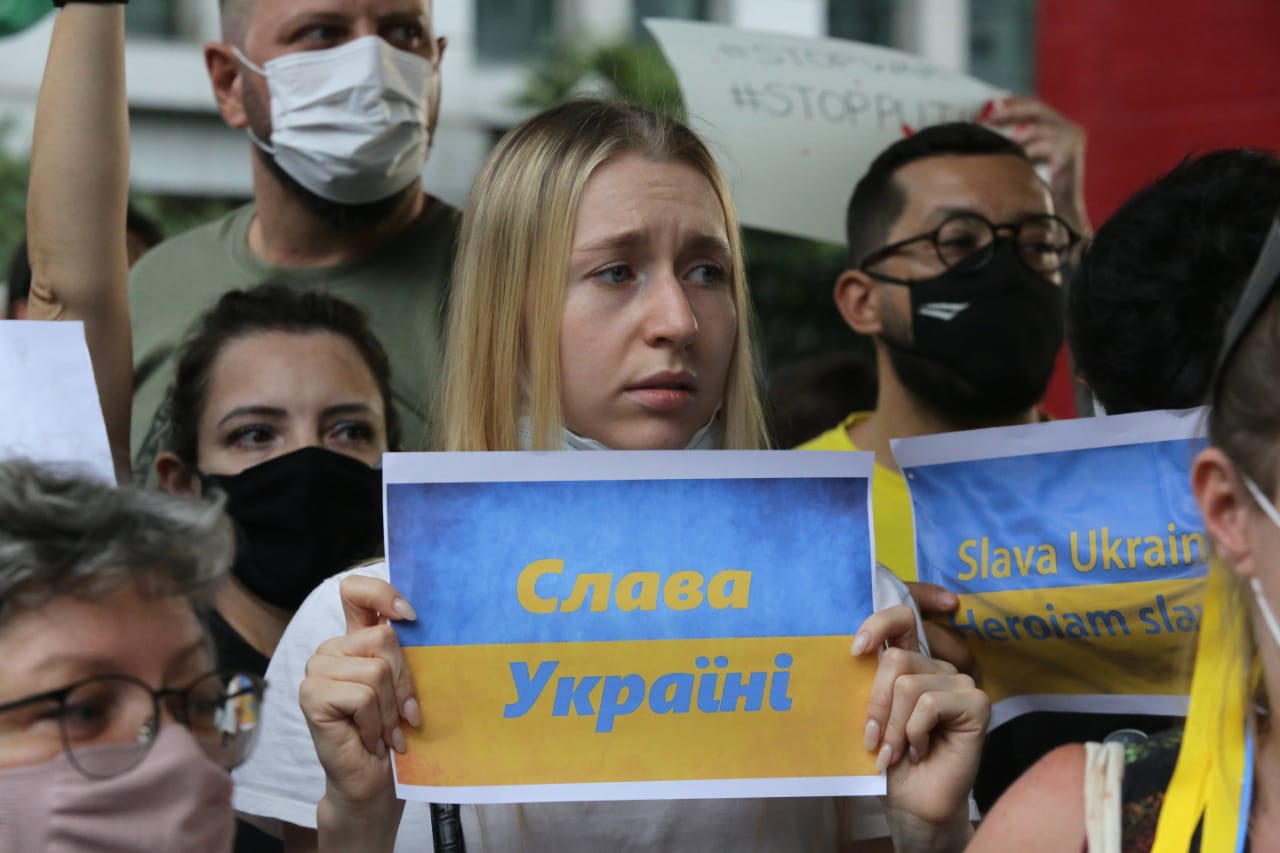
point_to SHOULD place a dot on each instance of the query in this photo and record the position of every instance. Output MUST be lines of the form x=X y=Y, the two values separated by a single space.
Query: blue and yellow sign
x=1078 y=552
x=633 y=625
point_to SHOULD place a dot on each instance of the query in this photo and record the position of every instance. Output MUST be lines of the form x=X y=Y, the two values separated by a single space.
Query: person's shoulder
x=168 y=264
x=836 y=438
x=327 y=594
x=439 y=220
x=319 y=618
x=1043 y=810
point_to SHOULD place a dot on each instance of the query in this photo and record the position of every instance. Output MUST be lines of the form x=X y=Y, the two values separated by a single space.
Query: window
x=514 y=30
x=861 y=20
x=695 y=10
x=151 y=18
x=1002 y=43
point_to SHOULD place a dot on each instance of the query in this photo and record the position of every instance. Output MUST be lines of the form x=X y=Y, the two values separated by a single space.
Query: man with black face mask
x=338 y=102
x=956 y=259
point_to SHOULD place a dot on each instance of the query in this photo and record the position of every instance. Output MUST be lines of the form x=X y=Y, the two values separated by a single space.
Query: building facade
x=181 y=147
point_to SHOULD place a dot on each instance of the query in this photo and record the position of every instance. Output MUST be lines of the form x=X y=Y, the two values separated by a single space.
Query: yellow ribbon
x=1207 y=780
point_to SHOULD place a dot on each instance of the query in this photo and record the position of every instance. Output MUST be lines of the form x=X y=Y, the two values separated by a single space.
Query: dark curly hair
x=272 y=307
x=1148 y=308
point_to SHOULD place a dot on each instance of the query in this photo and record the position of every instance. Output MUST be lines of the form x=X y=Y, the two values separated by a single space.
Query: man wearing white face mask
x=339 y=100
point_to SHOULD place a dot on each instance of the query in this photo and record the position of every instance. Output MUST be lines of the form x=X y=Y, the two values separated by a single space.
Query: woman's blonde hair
x=502 y=360
x=1204 y=795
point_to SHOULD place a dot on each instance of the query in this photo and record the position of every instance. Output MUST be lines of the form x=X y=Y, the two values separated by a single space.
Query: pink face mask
x=175 y=799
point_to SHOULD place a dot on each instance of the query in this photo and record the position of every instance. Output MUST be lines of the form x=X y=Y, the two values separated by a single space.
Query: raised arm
x=76 y=205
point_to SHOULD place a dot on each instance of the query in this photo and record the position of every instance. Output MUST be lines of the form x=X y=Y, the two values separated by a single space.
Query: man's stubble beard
x=348 y=218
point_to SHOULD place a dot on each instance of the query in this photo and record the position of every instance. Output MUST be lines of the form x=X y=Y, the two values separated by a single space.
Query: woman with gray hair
x=117 y=730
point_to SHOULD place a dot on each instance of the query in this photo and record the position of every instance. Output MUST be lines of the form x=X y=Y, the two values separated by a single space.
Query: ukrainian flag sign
x=611 y=626
x=1078 y=553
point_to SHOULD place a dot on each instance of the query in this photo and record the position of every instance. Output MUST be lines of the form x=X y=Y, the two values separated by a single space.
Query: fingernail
x=860 y=643
x=397 y=741
x=382 y=749
x=987 y=109
x=412 y=712
x=913 y=755
x=404 y=609
x=884 y=759
x=871 y=738
x=948 y=599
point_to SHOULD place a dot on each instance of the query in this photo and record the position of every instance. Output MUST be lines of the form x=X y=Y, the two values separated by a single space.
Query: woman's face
x=276 y=392
x=156 y=640
x=649 y=315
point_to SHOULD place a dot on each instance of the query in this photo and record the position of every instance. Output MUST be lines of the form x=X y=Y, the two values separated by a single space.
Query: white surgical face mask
x=348 y=123
x=1272 y=513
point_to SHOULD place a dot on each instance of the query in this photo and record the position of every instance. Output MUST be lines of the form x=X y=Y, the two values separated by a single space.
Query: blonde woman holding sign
x=600 y=302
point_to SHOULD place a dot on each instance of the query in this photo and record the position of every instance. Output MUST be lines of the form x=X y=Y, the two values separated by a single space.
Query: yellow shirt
x=890 y=504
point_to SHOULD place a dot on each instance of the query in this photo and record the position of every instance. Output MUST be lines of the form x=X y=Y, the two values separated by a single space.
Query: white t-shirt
x=283 y=779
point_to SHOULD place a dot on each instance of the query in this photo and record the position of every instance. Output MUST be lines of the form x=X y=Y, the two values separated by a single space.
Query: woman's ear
x=855 y=296
x=174 y=475
x=1226 y=506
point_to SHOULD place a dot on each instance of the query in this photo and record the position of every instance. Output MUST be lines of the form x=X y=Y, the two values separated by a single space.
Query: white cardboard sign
x=49 y=399
x=795 y=122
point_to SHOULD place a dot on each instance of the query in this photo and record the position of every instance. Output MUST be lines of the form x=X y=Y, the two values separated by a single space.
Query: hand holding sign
x=357 y=691
x=944 y=644
x=926 y=722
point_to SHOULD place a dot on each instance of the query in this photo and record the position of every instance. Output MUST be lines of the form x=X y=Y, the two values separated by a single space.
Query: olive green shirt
x=402 y=286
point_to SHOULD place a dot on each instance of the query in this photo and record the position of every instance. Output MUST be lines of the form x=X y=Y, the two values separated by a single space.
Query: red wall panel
x=1152 y=81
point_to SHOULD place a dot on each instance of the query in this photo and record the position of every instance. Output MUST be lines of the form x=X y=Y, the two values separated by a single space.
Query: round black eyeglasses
x=967 y=241
x=109 y=722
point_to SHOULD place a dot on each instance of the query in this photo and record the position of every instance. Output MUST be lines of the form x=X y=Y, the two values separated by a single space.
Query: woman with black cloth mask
x=282 y=401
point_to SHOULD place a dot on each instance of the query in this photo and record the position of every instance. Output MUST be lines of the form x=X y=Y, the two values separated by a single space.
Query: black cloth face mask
x=984 y=341
x=300 y=518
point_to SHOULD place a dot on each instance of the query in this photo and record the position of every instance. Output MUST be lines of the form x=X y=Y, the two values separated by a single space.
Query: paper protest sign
x=796 y=121
x=49 y=397
x=615 y=626
x=1078 y=552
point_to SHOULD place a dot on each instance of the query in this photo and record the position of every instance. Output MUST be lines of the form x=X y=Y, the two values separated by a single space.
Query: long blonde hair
x=502 y=360
x=1205 y=792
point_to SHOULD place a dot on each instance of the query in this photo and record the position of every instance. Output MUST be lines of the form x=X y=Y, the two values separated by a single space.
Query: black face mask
x=983 y=341
x=301 y=518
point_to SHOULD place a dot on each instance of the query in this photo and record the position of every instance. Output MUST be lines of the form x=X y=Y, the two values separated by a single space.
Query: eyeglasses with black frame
x=967 y=241
x=109 y=722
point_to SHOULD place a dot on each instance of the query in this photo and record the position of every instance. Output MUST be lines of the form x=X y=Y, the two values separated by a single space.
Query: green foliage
x=17 y=15
x=174 y=214
x=13 y=206
x=791 y=278
x=636 y=73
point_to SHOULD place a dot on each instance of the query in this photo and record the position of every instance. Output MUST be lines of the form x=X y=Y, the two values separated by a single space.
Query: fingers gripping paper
x=796 y=121
x=633 y=625
x=1078 y=553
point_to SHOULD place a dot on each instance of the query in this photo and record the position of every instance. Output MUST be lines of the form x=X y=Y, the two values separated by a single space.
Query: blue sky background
x=457 y=550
